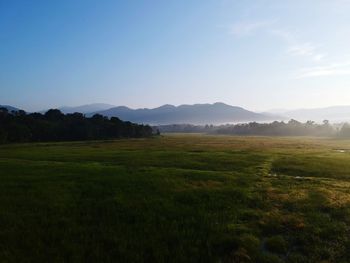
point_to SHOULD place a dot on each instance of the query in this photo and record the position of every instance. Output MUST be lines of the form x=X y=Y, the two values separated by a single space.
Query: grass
x=176 y=198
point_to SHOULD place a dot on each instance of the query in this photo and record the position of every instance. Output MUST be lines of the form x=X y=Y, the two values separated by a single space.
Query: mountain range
x=88 y=108
x=199 y=114
x=217 y=113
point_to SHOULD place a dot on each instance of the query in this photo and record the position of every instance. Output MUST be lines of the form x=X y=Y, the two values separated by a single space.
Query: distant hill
x=334 y=114
x=86 y=108
x=217 y=113
x=9 y=108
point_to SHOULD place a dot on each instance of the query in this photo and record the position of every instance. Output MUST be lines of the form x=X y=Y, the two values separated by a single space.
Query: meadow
x=176 y=198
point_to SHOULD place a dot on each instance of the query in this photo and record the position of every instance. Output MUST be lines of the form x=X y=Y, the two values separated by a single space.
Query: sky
x=259 y=54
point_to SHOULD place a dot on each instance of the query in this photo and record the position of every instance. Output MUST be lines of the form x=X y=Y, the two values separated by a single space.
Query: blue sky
x=256 y=54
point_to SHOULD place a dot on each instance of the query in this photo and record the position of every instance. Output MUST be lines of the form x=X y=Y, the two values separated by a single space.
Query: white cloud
x=294 y=48
x=283 y=34
x=306 y=49
x=335 y=69
x=247 y=28
x=319 y=57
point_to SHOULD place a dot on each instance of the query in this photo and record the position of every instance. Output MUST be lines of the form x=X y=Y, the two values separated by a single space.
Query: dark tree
x=56 y=126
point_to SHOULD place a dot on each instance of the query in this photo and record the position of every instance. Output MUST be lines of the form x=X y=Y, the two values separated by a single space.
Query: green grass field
x=176 y=198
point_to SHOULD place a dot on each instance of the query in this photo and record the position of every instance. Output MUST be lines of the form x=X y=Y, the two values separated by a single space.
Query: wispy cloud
x=306 y=50
x=335 y=69
x=319 y=57
x=294 y=46
x=284 y=35
x=248 y=28
x=297 y=48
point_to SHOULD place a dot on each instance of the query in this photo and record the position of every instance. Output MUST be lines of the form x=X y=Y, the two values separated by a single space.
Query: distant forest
x=18 y=126
x=291 y=128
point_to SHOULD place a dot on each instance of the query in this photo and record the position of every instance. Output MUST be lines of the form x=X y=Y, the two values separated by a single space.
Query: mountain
x=9 y=108
x=334 y=114
x=86 y=108
x=217 y=113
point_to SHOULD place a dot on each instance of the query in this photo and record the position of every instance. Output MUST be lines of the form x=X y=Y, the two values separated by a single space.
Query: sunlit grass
x=176 y=198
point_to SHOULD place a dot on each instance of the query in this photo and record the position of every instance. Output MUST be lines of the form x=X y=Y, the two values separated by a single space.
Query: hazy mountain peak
x=87 y=108
x=221 y=104
x=216 y=113
x=166 y=106
x=122 y=108
x=9 y=108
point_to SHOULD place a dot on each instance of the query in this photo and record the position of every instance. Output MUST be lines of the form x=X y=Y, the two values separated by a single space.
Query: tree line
x=18 y=126
x=290 y=128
